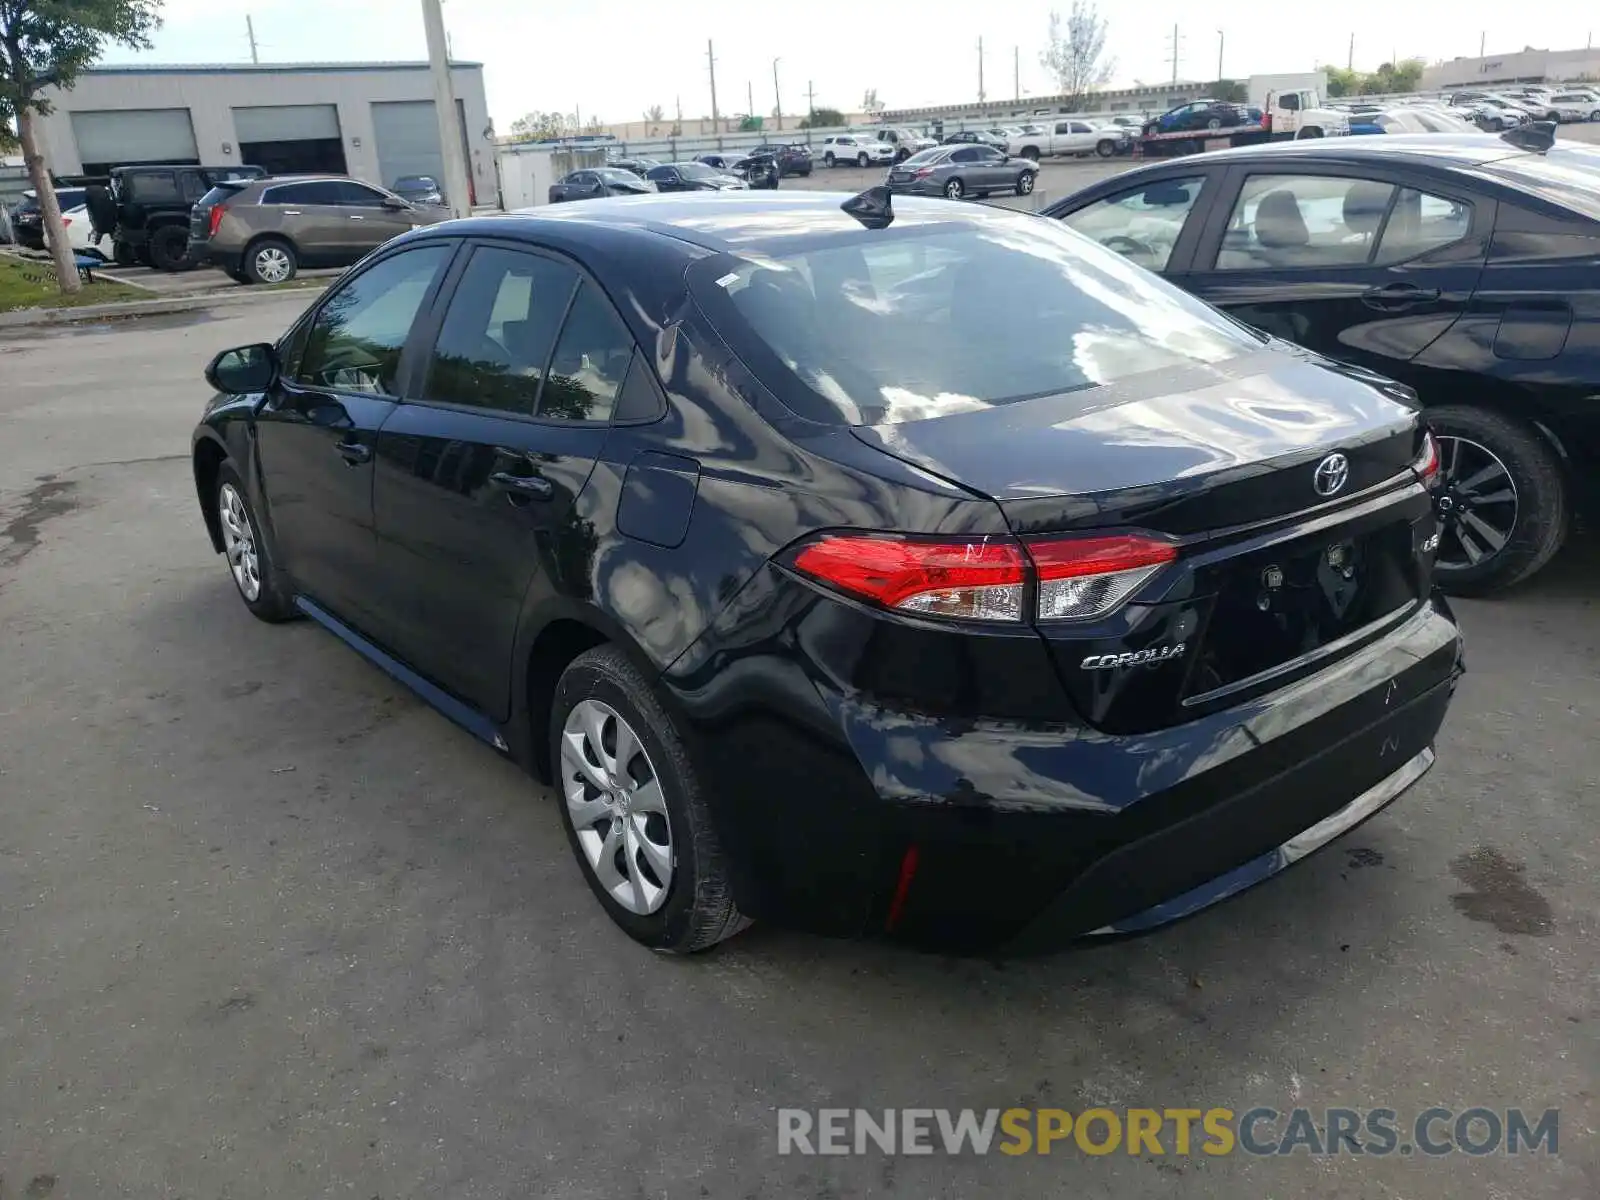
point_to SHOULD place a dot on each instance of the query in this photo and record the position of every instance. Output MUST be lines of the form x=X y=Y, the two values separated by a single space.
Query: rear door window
x=1419 y=222
x=497 y=337
x=156 y=187
x=1304 y=221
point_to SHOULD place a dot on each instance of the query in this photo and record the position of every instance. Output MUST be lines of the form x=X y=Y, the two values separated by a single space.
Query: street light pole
x=457 y=185
x=1220 y=38
x=777 y=95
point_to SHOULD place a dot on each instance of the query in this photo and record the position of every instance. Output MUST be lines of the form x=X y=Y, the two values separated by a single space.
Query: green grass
x=31 y=283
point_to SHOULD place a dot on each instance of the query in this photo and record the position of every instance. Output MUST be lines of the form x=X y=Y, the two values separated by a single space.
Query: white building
x=1524 y=66
x=375 y=121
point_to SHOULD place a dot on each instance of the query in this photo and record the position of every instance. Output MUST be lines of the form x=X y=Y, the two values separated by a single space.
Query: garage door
x=286 y=123
x=408 y=138
x=136 y=135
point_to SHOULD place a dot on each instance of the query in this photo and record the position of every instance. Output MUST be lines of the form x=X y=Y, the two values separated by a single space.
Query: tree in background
x=1230 y=90
x=870 y=103
x=595 y=125
x=655 y=114
x=536 y=126
x=1389 y=79
x=46 y=43
x=823 y=118
x=1076 y=56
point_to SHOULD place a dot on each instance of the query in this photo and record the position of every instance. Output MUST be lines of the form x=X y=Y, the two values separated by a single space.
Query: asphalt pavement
x=270 y=927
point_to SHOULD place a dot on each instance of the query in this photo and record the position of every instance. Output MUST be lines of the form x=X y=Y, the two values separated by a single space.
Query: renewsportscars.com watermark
x=1375 y=1132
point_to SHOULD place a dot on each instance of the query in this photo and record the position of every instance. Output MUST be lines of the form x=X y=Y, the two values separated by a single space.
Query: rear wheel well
x=556 y=646
x=208 y=460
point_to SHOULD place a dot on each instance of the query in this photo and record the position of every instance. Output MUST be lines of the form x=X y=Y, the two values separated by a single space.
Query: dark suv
x=27 y=221
x=791 y=159
x=150 y=221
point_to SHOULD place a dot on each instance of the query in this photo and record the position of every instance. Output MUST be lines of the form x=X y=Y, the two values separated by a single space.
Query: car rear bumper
x=847 y=816
x=208 y=255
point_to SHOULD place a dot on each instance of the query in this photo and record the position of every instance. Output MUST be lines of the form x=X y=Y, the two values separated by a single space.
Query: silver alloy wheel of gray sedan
x=272 y=264
x=239 y=542
x=618 y=812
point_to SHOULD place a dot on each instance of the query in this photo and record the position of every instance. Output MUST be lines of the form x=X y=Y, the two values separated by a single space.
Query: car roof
x=1435 y=149
x=752 y=223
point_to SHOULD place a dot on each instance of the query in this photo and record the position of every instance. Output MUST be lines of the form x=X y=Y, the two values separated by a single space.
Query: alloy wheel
x=953 y=189
x=239 y=542
x=272 y=264
x=618 y=811
x=1476 y=499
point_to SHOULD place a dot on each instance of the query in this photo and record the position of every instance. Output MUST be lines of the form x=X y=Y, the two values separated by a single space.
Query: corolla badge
x=1136 y=658
x=1331 y=475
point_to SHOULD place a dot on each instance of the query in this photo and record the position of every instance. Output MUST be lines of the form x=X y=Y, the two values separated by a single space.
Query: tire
x=829 y=159
x=252 y=565
x=169 y=248
x=271 y=260
x=901 y=155
x=1595 y=115
x=1310 y=131
x=1031 y=153
x=955 y=190
x=1025 y=183
x=123 y=255
x=1473 y=440
x=1214 y=123
x=603 y=694
x=1106 y=148
x=862 y=160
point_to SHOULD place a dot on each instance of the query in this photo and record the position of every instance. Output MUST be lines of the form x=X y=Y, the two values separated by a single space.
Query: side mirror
x=395 y=204
x=244 y=371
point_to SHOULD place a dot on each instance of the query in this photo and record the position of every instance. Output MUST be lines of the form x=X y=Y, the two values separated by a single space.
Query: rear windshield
x=923 y=157
x=900 y=325
x=220 y=194
x=1568 y=176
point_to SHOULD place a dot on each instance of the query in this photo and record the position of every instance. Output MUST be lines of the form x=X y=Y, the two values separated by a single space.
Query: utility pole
x=457 y=184
x=811 y=99
x=1177 y=40
x=1016 y=73
x=750 y=99
x=1482 y=38
x=250 y=28
x=1221 y=38
x=711 y=62
x=980 y=70
x=1350 y=63
x=777 y=95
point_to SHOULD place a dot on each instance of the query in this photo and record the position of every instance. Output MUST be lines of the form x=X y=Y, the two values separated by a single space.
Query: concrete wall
x=211 y=93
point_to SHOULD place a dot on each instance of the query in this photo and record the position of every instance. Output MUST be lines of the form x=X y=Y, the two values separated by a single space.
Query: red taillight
x=1086 y=577
x=922 y=172
x=979 y=580
x=217 y=212
x=1427 y=464
x=986 y=579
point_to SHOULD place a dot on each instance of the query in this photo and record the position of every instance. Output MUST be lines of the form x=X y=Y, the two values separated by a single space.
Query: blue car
x=1199 y=115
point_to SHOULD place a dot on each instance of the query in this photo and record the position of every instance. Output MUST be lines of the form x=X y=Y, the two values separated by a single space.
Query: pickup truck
x=1072 y=135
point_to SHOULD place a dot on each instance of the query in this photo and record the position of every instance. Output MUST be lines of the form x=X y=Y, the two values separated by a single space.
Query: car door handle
x=534 y=487
x=291 y=212
x=354 y=453
x=1398 y=295
x=357 y=217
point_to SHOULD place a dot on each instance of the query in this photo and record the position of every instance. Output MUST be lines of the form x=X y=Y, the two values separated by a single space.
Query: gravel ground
x=272 y=928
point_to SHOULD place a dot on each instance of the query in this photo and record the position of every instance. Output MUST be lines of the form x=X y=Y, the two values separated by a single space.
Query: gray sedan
x=963 y=170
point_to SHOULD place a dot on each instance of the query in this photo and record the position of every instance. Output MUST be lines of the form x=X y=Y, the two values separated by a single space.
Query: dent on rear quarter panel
x=759 y=489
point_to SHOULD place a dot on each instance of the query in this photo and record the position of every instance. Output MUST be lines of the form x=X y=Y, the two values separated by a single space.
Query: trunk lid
x=1279 y=572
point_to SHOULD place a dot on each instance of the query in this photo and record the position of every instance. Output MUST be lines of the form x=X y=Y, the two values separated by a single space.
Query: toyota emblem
x=1331 y=475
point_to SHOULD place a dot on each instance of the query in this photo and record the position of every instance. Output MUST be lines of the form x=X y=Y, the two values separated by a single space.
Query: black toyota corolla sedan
x=1465 y=266
x=929 y=572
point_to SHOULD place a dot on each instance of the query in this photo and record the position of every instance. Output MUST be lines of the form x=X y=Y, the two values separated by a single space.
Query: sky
x=615 y=59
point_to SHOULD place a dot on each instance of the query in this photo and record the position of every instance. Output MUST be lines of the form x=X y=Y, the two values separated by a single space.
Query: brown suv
x=264 y=230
